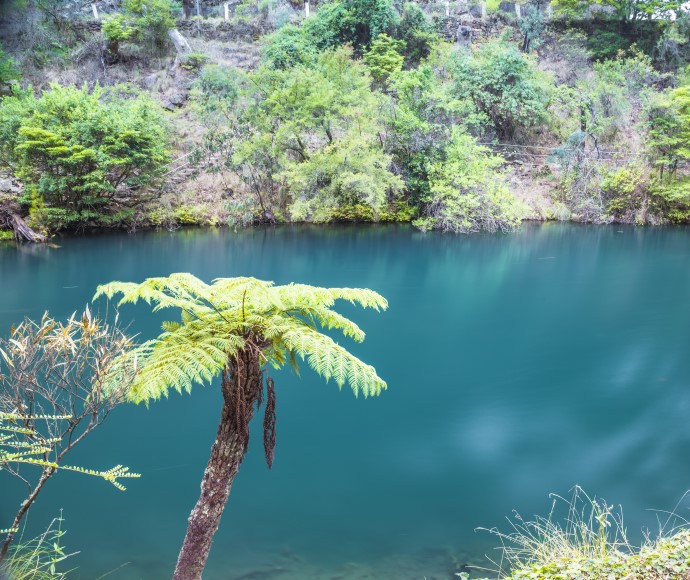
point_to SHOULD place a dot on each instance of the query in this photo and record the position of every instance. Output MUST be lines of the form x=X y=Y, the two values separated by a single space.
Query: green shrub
x=289 y=46
x=383 y=57
x=336 y=23
x=505 y=87
x=8 y=69
x=84 y=155
x=672 y=51
x=116 y=29
x=668 y=130
x=625 y=192
x=152 y=19
x=531 y=26
x=606 y=44
x=193 y=60
x=418 y=125
x=417 y=32
x=673 y=198
x=144 y=22
x=189 y=215
x=467 y=192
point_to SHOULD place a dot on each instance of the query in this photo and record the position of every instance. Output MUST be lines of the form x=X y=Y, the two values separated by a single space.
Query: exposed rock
x=464 y=35
x=150 y=82
x=178 y=99
x=6 y=184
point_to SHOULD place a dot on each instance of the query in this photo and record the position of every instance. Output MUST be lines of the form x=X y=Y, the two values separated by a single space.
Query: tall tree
x=237 y=327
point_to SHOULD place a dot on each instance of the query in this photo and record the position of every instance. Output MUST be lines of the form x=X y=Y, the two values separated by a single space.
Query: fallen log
x=21 y=231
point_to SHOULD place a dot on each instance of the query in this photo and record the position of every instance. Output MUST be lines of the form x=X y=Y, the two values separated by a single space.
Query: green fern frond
x=330 y=360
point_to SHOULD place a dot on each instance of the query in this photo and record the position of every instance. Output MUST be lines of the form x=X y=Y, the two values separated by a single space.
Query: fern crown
x=217 y=320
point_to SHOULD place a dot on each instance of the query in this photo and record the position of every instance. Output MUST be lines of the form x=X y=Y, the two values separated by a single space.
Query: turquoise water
x=517 y=366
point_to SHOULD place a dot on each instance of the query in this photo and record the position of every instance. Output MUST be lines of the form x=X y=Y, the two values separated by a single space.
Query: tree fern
x=238 y=327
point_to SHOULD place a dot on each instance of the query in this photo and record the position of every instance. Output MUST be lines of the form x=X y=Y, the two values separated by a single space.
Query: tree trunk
x=242 y=387
x=28 y=502
x=181 y=45
x=187 y=7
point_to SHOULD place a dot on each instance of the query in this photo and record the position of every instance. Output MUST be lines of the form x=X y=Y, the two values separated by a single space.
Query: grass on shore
x=590 y=543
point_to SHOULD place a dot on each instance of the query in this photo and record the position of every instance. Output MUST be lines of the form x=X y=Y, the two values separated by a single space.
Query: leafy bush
x=289 y=46
x=383 y=57
x=116 y=28
x=305 y=141
x=84 y=155
x=8 y=69
x=625 y=191
x=193 y=60
x=417 y=32
x=605 y=44
x=531 y=27
x=336 y=23
x=668 y=129
x=351 y=171
x=608 y=100
x=672 y=50
x=467 y=193
x=504 y=86
x=419 y=117
x=152 y=19
x=145 y=22
x=668 y=136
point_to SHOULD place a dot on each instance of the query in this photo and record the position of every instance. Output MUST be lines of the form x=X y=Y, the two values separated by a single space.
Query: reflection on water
x=518 y=366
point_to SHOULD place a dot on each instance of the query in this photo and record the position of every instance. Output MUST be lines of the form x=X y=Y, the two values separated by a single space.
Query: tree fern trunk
x=242 y=386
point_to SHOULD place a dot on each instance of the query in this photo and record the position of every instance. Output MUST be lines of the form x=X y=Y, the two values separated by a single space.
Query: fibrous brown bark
x=242 y=387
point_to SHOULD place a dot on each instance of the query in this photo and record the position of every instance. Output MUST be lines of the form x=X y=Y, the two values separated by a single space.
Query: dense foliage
x=85 y=156
x=362 y=111
x=466 y=193
x=8 y=69
x=304 y=140
x=506 y=88
x=144 y=22
x=327 y=136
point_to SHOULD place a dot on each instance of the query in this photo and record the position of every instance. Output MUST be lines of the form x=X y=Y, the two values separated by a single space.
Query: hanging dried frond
x=270 y=422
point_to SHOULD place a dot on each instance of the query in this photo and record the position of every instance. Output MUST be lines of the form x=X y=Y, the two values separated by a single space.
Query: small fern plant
x=238 y=328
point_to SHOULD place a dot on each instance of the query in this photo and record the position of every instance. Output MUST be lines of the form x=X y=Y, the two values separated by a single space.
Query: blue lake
x=518 y=366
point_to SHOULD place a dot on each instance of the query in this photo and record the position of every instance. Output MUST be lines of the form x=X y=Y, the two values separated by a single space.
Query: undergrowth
x=590 y=542
x=38 y=558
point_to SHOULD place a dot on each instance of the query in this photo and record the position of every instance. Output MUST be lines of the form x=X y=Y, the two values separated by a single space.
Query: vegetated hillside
x=453 y=116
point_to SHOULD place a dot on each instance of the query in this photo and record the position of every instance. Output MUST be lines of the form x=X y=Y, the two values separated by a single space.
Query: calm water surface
x=517 y=366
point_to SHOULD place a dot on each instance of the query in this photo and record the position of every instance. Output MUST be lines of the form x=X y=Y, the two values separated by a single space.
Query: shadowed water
x=517 y=366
